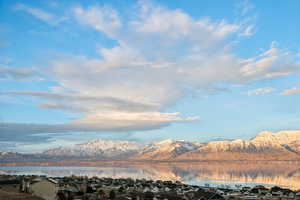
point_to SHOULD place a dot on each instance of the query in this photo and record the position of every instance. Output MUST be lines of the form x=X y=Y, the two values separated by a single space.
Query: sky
x=148 y=70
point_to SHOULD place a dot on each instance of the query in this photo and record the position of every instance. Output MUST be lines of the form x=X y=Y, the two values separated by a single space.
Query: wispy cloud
x=294 y=90
x=13 y=73
x=40 y=14
x=246 y=16
x=261 y=91
x=272 y=63
x=81 y=102
x=245 y=6
x=248 y=31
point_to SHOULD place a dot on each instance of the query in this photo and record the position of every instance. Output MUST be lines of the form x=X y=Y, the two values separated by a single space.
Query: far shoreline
x=142 y=162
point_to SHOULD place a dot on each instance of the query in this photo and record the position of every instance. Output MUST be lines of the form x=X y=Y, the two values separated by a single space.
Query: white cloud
x=179 y=25
x=273 y=62
x=101 y=18
x=294 y=90
x=261 y=91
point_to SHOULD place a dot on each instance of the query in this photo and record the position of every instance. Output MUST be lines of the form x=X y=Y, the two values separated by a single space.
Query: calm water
x=217 y=174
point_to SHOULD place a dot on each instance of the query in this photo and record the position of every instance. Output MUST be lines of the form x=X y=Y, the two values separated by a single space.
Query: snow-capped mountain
x=262 y=142
x=265 y=146
x=284 y=145
x=163 y=150
x=283 y=139
x=97 y=148
x=166 y=150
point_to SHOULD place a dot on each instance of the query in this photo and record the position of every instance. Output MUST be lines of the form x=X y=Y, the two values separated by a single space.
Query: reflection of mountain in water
x=262 y=173
x=269 y=173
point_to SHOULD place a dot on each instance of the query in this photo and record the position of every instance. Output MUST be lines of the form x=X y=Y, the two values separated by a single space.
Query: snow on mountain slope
x=97 y=148
x=282 y=138
x=263 y=141
x=284 y=145
x=166 y=149
x=266 y=145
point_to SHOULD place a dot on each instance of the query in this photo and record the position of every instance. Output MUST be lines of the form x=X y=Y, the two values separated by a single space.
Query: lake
x=228 y=174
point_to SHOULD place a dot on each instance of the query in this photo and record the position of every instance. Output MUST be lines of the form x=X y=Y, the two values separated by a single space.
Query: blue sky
x=72 y=71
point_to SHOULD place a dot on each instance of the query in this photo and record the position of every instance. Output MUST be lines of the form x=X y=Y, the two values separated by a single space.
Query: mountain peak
x=281 y=137
x=264 y=134
x=104 y=142
x=166 y=149
x=165 y=142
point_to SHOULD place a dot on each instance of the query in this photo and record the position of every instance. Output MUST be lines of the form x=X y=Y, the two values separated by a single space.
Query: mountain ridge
x=264 y=146
x=97 y=148
x=283 y=145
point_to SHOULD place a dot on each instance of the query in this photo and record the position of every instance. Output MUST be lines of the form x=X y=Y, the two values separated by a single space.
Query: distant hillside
x=12 y=157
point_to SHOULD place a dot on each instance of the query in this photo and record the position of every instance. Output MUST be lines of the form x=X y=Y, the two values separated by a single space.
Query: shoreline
x=141 y=162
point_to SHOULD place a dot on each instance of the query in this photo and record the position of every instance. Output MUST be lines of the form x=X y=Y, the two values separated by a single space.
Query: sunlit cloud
x=294 y=90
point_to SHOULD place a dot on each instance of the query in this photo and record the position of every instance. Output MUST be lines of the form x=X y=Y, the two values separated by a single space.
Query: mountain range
x=98 y=148
x=284 y=145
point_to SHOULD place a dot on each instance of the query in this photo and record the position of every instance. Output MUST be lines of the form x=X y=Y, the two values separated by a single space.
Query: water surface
x=284 y=174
